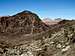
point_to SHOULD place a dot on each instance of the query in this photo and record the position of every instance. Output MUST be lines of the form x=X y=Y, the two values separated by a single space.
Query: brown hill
x=24 y=22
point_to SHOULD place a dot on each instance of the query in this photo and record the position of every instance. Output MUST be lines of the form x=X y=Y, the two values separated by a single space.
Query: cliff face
x=24 y=22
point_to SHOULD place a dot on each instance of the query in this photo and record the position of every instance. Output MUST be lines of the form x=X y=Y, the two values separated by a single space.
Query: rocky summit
x=24 y=22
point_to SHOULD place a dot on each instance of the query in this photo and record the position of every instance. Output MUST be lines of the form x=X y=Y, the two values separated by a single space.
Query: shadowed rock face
x=23 y=22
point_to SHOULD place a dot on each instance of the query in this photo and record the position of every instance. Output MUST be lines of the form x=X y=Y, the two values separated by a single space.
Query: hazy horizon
x=43 y=8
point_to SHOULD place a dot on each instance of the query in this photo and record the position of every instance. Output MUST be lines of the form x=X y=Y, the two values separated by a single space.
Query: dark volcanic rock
x=24 y=22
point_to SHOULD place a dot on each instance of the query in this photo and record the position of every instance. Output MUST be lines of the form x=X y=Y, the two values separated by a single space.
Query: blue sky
x=44 y=8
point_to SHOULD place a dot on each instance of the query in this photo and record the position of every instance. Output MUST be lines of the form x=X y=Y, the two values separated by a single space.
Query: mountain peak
x=26 y=11
x=23 y=13
x=22 y=22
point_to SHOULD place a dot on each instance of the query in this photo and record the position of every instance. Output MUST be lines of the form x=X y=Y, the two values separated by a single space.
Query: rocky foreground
x=59 y=42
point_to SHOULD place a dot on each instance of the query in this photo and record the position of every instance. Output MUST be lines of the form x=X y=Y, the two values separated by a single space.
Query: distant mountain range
x=50 y=21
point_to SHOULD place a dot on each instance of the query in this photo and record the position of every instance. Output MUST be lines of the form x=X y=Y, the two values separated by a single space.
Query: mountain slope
x=58 y=41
